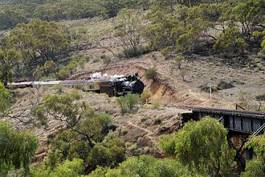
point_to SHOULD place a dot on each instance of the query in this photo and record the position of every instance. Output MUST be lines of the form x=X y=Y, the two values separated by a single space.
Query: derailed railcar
x=113 y=86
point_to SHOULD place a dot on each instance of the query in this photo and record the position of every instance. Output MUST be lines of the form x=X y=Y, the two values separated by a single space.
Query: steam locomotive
x=129 y=84
x=112 y=86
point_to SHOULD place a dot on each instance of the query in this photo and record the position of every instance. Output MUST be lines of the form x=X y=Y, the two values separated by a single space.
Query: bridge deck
x=245 y=122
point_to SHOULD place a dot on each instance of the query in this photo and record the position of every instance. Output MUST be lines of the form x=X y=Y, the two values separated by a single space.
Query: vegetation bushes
x=48 y=68
x=128 y=28
x=10 y=17
x=87 y=134
x=68 y=69
x=180 y=28
x=109 y=153
x=260 y=97
x=183 y=27
x=250 y=14
x=112 y=7
x=260 y=35
x=38 y=38
x=168 y=143
x=69 y=168
x=135 y=52
x=57 y=70
x=156 y=105
x=144 y=166
x=160 y=32
x=127 y=103
x=8 y=60
x=17 y=149
x=202 y=147
x=145 y=97
x=5 y=98
x=255 y=167
x=151 y=74
x=15 y=12
x=263 y=45
x=231 y=42
x=68 y=9
x=34 y=43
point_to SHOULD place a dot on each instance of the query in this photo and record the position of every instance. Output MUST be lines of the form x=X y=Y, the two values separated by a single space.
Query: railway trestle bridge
x=241 y=126
x=236 y=122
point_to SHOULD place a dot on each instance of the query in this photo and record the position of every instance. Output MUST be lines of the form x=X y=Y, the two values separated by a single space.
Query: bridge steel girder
x=235 y=121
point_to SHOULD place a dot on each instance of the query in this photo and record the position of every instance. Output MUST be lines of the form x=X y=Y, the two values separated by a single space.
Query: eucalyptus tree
x=38 y=42
x=17 y=149
x=5 y=99
x=202 y=147
x=8 y=60
x=256 y=166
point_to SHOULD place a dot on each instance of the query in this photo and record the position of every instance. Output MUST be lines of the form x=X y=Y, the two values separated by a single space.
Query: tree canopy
x=17 y=149
x=144 y=166
x=86 y=135
x=256 y=166
x=34 y=43
x=5 y=99
x=202 y=147
x=8 y=59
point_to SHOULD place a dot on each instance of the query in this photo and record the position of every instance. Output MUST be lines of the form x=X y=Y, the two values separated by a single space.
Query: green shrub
x=5 y=98
x=168 y=143
x=68 y=9
x=202 y=147
x=67 y=70
x=99 y=172
x=151 y=74
x=145 y=97
x=144 y=166
x=127 y=103
x=156 y=105
x=49 y=67
x=10 y=17
x=231 y=43
x=135 y=52
x=109 y=153
x=68 y=168
x=166 y=52
x=17 y=149
x=260 y=97
x=255 y=166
